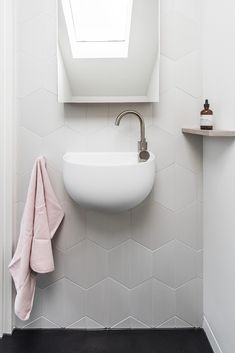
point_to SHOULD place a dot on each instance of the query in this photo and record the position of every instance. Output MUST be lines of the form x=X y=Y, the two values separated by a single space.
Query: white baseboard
x=211 y=337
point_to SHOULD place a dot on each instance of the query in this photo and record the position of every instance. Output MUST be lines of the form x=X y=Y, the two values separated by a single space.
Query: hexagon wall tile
x=130 y=322
x=189 y=302
x=167 y=74
x=175 y=264
x=27 y=9
x=33 y=41
x=26 y=156
x=190 y=232
x=159 y=303
x=163 y=299
x=41 y=323
x=175 y=110
x=187 y=77
x=63 y=303
x=73 y=227
x=108 y=230
x=179 y=35
x=108 y=303
x=139 y=295
x=29 y=75
x=125 y=265
x=85 y=323
x=175 y=187
x=152 y=224
x=41 y=113
x=86 y=264
x=189 y=152
x=162 y=144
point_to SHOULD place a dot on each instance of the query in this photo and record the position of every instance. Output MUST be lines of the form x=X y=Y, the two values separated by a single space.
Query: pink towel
x=41 y=218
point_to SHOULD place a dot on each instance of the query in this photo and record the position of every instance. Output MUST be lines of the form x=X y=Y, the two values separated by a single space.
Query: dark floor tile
x=106 y=341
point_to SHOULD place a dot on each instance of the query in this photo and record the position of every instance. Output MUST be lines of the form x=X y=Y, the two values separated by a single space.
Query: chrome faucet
x=142 y=144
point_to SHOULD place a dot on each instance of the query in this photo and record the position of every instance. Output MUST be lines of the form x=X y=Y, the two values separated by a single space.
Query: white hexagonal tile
x=167 y=74
x=109 y=139
x=28 y=75
x=176 y=110
x=189 y=152
x=189 y=74
x=159 y=303
x=60 y=142
x=44 y=280
x=41 y=323
x=35 y=42
x=179 y=35
x=175 y=323
x=73 y=227
x=175 y=264
x=108 y=230
x=181 y=323
x=200 y=187
x=200 y=264
x=175 y=187
x=189 y=302
x=97 y=304
x=63 y=303
x=191 y=9
x=37 y=310
x=27 y=9
x=50 y=75
x=152 y=224
x=108 y=303
x=162 y=144
x=86 y=323
x=139 y=295
x=163 y=299
x=41 y=113
x=86 y=264
x=125 y=265
x=57 y=183
x=130 y=322
x=74 y=114
x=119 y=302
x=29 y=148
x=87 y=118
x=188 y=225
x=168 y=324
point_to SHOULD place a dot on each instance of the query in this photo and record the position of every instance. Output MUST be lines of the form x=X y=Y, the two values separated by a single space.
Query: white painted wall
x=140 y=268
x=219 y=173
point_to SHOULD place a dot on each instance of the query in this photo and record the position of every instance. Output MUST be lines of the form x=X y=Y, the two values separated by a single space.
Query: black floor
x=106 y=341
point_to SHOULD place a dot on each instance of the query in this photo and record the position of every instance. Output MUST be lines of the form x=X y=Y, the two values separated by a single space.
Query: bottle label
x=206 y=120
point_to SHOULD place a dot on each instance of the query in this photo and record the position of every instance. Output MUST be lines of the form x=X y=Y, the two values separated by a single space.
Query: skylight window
x=98 y=28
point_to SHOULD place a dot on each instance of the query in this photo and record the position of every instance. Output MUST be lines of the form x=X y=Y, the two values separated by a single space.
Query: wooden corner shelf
x=209 y=133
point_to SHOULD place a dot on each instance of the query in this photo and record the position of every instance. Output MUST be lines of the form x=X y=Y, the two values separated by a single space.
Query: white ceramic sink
x=111 y=182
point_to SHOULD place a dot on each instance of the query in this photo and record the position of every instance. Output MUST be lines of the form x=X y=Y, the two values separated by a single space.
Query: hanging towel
x=41 y=218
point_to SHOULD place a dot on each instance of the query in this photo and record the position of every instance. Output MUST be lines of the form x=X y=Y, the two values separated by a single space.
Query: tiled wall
x=137 y=269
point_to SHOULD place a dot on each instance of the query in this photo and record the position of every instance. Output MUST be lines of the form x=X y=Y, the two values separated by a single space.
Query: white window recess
x=98 y=29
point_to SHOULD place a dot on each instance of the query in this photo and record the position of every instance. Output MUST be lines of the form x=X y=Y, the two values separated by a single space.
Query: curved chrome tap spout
x=142 y=144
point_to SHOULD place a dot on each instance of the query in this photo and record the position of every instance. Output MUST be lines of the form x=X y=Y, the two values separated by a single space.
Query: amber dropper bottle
x=206 y=119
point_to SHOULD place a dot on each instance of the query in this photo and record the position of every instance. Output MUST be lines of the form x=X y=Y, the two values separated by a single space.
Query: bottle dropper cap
x=206 y=105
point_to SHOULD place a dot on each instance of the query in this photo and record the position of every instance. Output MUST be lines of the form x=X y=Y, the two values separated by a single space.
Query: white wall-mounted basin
x=109 y=181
